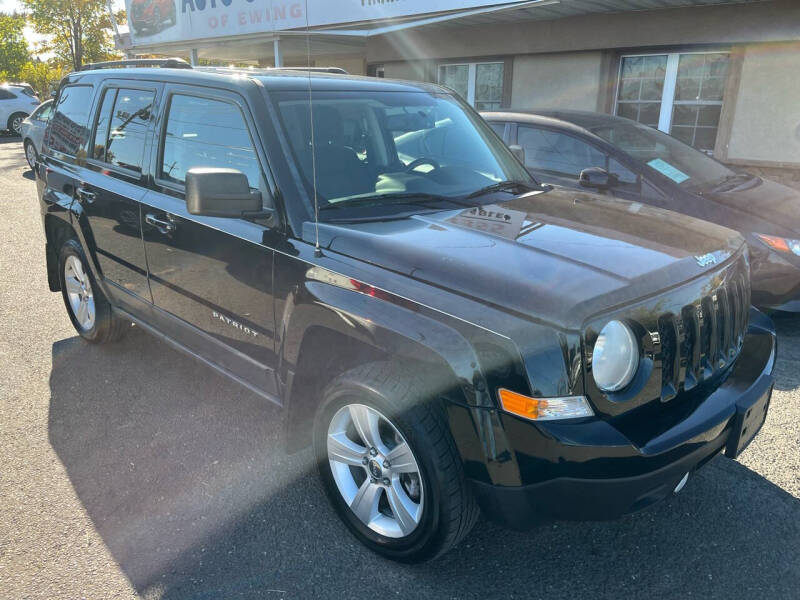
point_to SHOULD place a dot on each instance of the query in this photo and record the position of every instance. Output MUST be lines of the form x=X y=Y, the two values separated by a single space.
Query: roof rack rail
x=338 y=70
x=262 y=70
x=164 y=63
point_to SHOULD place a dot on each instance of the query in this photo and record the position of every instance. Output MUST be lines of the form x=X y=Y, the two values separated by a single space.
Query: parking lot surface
x=133 y=471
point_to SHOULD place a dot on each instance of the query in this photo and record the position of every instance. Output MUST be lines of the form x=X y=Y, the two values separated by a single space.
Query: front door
x=557 y=157
x=211 y=278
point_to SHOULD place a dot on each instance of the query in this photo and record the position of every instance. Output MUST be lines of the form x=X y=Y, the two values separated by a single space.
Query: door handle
x=160 y=224
x=85 y=195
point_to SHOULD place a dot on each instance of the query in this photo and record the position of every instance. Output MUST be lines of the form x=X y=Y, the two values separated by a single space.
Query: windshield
x=381 y=151
x=682 y=164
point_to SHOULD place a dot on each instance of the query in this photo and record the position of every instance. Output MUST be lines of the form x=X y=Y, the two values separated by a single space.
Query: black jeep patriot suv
x=446 y=333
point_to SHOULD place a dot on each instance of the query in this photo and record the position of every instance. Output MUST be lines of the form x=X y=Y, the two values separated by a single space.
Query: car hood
x=767 y=201
x=559 y=256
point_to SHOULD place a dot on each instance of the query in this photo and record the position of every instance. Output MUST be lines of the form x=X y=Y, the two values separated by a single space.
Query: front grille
x=704 y=337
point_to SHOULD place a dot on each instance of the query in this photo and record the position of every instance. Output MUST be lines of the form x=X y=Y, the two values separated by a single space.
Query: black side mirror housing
x=597 y=178
x=518 y=151
x=218 y=192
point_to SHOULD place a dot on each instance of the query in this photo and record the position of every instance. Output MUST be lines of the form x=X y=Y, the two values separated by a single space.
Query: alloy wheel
x=79 y=292
x=375 y=470
x=30 y=155
x=16 y=124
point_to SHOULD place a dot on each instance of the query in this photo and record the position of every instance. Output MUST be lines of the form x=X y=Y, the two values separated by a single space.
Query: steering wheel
x=422 y=161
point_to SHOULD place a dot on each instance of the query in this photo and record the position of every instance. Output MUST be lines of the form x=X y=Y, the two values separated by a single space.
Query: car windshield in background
x=683 y=164
x=381 y=151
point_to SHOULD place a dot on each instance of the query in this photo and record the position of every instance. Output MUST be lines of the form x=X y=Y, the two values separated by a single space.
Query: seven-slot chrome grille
x=704 y=337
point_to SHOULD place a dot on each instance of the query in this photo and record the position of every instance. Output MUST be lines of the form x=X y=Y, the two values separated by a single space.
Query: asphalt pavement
x=133 y=471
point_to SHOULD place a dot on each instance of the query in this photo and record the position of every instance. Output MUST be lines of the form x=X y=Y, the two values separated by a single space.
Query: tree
x=79 y=31
x=43 y=76
x=13 y=46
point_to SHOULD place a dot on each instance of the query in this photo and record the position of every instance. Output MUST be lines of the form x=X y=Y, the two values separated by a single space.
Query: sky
x=8 y=6
x=12 y=5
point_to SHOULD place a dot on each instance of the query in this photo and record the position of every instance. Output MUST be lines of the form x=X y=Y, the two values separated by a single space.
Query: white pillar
x=193 y=57
x=276 y=45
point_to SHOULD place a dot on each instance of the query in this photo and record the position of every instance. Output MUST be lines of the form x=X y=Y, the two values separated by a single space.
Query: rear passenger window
x=127 y=128
x=202 y=132
x=6 y=95
x=68 y=127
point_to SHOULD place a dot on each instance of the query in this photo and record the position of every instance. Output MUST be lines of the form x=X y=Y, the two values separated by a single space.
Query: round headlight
x=615 y=357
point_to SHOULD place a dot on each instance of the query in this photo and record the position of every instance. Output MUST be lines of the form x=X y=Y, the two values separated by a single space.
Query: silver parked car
x=16 y=103
x=32 y=131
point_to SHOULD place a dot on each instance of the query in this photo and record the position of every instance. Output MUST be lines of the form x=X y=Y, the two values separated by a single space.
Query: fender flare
x=396 y=330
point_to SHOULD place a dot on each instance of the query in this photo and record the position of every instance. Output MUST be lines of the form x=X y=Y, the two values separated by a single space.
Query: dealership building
x=723 y=75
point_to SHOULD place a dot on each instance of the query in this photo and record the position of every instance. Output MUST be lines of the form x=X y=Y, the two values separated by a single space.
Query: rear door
x=211 y=278
x=111 y=186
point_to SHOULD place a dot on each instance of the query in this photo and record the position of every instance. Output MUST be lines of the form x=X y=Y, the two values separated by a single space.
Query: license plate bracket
x=747 y=423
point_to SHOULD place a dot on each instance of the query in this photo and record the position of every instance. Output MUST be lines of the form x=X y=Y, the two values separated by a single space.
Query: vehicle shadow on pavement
x=9 y=138
x=184 y=476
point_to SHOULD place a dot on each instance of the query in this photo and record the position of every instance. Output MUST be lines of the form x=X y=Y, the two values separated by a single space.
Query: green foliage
x=13 y=46
x=78 y=31
x=43 y=76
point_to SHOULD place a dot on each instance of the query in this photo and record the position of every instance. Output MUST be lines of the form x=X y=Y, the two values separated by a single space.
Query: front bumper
x=588 y=469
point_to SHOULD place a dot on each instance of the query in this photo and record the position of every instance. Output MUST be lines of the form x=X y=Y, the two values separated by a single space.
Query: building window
x=480 y=84
x=679 y=93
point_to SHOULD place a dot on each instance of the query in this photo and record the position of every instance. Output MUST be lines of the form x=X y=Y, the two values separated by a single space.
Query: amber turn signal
x=544 y=409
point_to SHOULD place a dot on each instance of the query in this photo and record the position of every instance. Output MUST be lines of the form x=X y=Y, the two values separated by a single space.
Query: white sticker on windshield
x=667 y=169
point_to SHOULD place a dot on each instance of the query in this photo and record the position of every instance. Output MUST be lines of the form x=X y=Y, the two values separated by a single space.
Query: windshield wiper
x=501 y=186
x=735 y=177
x=412 y=198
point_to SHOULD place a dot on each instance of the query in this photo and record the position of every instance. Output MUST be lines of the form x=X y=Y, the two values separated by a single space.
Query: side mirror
x=597 y=178
x=518 y=151
x=217 y=192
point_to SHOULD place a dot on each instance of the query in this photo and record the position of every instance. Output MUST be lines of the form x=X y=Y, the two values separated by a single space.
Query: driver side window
x=562 y=155
x=557 y=154
x=204 y=132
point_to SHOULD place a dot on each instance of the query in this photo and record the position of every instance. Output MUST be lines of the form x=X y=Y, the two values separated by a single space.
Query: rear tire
x=405 y=411
x=88 y=309
x=15 y=122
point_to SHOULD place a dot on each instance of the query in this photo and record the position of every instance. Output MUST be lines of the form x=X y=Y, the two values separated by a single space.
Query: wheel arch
x=56 y=231
x=325 y=330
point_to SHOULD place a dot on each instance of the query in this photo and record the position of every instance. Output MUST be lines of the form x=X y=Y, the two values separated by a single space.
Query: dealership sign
x=158 y=21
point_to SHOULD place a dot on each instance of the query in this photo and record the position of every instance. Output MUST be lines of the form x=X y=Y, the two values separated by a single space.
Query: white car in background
x=16 y=103
x=32 y=131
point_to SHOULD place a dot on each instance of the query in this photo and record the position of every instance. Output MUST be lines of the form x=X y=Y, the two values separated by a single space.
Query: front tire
x=30 y=154
x=88 y=309
x=389 y=464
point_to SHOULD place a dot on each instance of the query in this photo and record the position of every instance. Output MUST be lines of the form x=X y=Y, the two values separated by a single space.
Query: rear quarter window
x=68 y=130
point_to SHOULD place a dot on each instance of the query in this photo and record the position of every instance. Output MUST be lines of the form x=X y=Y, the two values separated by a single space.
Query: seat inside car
x=339 y=170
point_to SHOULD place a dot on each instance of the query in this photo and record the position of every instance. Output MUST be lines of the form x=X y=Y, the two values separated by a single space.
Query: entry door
x=211 y=278
x=111 y=186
